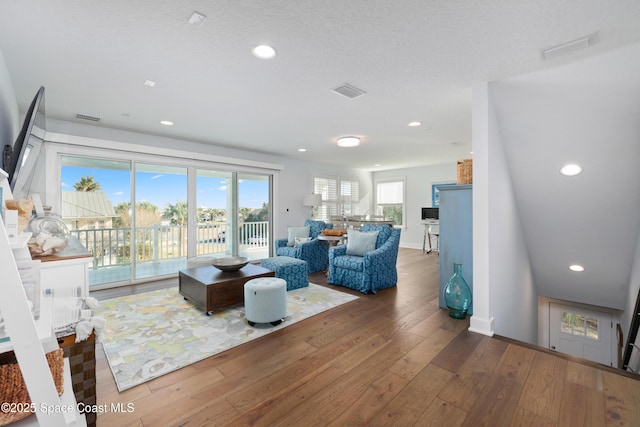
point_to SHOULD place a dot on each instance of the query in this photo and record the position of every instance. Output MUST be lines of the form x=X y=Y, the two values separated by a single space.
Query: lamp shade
x=312 y=200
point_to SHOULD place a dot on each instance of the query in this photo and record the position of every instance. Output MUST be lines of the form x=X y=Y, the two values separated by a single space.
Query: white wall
x=514 y=297
x=294 y=178
x=418 y=182
x=505 y=298
x=9 y=114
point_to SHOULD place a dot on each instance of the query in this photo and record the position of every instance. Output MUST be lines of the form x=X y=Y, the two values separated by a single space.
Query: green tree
x=176 y=214
x=258 y=215
x=146 y=214
x=87 y=183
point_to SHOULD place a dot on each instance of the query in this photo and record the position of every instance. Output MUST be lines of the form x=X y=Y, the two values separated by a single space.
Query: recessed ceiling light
x=166 y=122
x=576 y=267
x=377 y=165
x=264 y=52
x=149 y=83
x=302 y=150
x=414 y=124
x=348 y=141
x=570 y=169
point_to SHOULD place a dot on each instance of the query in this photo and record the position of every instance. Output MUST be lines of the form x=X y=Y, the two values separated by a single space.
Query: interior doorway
x=581 y=332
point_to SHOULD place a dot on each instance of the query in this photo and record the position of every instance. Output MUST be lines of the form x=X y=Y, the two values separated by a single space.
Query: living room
x=525 y=122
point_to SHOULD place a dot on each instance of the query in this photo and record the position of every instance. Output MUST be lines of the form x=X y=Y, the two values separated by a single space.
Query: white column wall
x=505 y=297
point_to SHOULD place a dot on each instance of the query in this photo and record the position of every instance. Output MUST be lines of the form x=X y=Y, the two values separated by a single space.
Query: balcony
x=161 y=250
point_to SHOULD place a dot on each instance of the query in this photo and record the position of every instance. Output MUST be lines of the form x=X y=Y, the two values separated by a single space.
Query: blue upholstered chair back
x=316 y=227
x=384 y=232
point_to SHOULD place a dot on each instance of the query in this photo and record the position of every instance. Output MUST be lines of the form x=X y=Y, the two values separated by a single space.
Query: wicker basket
x=334 y=232
x=14 y=390
x=465 y=171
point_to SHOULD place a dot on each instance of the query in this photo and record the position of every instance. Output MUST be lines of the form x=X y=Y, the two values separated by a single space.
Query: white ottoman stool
x=265 y=300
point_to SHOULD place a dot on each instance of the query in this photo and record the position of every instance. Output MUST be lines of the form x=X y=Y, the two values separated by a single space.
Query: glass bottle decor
x=457 y=294
x=50 y=233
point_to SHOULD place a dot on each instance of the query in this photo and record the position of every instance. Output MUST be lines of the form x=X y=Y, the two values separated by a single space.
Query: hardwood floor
x=393 y=358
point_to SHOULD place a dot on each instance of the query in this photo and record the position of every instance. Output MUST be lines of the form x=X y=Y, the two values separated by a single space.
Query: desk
x=431 y=228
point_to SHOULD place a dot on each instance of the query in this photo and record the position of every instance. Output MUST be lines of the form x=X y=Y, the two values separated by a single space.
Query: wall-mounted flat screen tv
x=27 y=147
x=430 y=213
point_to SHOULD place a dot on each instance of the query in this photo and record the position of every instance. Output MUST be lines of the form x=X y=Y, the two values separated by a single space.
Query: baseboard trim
x=481 y=326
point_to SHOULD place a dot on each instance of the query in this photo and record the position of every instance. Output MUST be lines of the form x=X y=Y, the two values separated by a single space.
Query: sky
x=166 y=188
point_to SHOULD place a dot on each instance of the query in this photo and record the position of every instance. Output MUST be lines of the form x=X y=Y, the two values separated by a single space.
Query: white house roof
x=90 y=204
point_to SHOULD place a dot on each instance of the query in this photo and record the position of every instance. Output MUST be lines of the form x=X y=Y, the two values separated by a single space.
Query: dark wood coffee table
x=212 y=289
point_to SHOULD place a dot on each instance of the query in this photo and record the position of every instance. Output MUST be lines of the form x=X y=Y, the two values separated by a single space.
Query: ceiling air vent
x=89 y=118
x=349 y=91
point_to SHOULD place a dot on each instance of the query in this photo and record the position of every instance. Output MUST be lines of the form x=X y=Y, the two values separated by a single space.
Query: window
x=390 y=200
x=349 y=197
x=344 y=203
x=577 y=324
x=328 y=189
x=213 y=214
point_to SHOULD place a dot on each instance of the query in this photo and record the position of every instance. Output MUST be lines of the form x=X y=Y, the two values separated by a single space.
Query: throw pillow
x=299 y=240
x=294 y=232
x=361 y=242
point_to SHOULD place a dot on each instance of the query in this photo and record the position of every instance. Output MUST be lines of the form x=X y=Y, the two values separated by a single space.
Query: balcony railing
x=113 y=247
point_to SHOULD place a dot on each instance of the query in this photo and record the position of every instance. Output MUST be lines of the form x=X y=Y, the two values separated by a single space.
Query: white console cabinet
x=68 y=273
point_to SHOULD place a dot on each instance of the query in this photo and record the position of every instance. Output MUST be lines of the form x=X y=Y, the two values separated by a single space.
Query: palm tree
x=87 y=183
x=176 y=214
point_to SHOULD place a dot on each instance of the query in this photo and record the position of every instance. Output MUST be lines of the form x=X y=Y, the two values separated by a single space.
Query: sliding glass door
x=254 y=223
x=96 y=206
x=181 y=212
x=160 y=220
x=214 y=201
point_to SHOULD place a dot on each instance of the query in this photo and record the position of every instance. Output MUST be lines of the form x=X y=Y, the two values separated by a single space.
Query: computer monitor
x=430 y=213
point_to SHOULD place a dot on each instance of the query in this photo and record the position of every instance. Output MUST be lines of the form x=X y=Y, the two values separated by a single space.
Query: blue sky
x=162 y=189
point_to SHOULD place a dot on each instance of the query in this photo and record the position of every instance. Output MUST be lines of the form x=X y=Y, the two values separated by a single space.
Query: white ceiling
x=415 y=59
x=587 y=112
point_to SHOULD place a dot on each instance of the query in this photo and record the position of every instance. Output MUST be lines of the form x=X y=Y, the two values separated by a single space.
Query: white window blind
x=390 y=201
x=390 y=193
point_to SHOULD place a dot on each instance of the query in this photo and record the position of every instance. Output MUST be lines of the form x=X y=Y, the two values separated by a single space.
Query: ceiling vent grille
x=349 y=91
x=89 y=118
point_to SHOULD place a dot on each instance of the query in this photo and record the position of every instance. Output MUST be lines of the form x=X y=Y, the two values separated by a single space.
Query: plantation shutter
x=328 y=189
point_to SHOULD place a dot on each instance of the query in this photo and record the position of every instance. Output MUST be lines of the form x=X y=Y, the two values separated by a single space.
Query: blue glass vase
x=457 y=294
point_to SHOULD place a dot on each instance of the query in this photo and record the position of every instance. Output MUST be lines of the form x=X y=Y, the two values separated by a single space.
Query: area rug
x=151 y=334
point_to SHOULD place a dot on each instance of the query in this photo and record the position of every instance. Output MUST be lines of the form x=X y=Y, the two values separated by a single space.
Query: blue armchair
x=372 y=271
x=314 y=252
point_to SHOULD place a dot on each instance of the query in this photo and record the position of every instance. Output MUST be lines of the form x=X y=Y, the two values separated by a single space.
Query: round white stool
x=265 y=300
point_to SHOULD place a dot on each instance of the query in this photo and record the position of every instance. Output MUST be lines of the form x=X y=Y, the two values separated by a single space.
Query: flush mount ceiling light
x=166 y=122
x=149 y=83
x=414 y=124
x=577 y=268
x=571 y=169
x=264 y=52
x=348 y=141
x=302 y=150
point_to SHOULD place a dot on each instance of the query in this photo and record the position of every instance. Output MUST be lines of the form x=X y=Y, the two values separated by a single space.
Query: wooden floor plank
x=622 y=400
x=407 y=407
x=581 y=407
x=543 y=389
x=394 y=359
